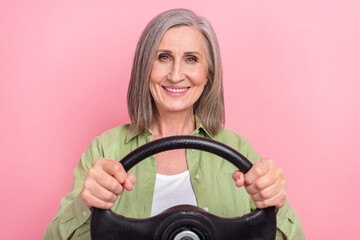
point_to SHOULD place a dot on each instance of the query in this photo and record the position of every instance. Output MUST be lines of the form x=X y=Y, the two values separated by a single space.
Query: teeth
x=176 y=90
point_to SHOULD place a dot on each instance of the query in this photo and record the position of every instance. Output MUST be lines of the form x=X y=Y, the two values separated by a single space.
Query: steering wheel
x=184 y=222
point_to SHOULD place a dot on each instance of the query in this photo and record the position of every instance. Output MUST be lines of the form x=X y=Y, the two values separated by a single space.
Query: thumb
x=238 y=178
x=129 y=182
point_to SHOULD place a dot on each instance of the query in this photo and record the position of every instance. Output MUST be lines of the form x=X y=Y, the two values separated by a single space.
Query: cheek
x=199 y=77
x=157 y=73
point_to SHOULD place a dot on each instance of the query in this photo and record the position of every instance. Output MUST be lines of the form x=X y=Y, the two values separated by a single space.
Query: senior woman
x=175 y=89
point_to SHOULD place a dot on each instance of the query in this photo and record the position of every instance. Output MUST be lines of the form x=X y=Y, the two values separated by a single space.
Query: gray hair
x=209 y=108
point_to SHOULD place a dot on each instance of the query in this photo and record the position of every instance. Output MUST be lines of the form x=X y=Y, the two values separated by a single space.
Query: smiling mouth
x=176 y=90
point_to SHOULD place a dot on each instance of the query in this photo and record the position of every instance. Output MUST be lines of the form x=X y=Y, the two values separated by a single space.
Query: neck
x=171 y=124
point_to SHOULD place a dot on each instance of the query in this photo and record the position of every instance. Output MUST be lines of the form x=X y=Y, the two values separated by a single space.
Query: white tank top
x=172 y=190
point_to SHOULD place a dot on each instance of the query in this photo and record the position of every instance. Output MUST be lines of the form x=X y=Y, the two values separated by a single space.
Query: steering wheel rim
x=104 y=222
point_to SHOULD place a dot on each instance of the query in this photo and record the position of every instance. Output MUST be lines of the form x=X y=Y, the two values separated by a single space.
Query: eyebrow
x=186 y=53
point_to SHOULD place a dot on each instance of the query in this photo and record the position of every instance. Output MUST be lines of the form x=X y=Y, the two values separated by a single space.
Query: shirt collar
x=199 y=131
x=200 y=128
x=131 y=133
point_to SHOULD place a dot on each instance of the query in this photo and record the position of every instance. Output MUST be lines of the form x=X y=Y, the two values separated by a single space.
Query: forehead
x=183 y=37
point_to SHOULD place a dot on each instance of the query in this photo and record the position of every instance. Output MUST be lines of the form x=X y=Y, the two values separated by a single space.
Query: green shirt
x=211 y=178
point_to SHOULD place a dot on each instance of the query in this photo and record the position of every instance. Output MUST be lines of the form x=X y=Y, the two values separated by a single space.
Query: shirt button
x=193 y=150
x=84 y=213
x=206 y=209
x=197 y=176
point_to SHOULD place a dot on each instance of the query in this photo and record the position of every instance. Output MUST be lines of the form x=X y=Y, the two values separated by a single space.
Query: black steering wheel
x=184 y=222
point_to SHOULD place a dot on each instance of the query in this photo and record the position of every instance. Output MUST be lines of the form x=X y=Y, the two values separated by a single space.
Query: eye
x=191 y=59
x=164 y=58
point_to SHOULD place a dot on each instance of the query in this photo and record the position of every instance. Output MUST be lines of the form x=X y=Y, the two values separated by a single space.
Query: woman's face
x=179 y=72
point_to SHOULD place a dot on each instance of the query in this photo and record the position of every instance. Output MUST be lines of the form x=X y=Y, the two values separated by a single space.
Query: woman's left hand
x=264 y=182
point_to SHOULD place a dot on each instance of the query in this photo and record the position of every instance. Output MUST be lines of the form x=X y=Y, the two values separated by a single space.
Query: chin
x=177 y=109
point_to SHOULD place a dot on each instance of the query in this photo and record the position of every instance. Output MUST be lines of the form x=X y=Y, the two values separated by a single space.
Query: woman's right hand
x=104 y=182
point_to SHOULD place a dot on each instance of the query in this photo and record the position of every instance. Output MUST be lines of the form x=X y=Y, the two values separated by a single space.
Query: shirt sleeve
x=72 y=221
x=288 y=222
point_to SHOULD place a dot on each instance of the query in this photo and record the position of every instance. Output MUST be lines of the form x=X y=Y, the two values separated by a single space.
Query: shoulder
x=231 y=138
x=237 y=142
x=108 y=144
x=116 y=134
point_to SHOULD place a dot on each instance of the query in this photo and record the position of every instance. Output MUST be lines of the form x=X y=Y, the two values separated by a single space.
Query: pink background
x=292 y=86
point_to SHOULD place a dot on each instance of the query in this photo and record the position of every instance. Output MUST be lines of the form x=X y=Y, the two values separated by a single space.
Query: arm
x=267 y=187
x=288 y=223
x=95 y=185
x=72 y=214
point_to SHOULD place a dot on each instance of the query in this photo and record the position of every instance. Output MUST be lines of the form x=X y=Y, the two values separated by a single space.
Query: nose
x=176 y=73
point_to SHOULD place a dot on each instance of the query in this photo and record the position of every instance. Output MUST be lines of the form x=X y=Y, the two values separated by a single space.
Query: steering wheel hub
x=186 y=235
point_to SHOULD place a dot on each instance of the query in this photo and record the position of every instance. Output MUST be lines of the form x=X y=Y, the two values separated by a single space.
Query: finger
x=257 y=170
x=263 y=182
x=266 y=193
x=99 y=191
x=238 y=178
x=115 y=169
x=129 y=182
x=92 y=201
x=277 y=201
x=103 y=179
